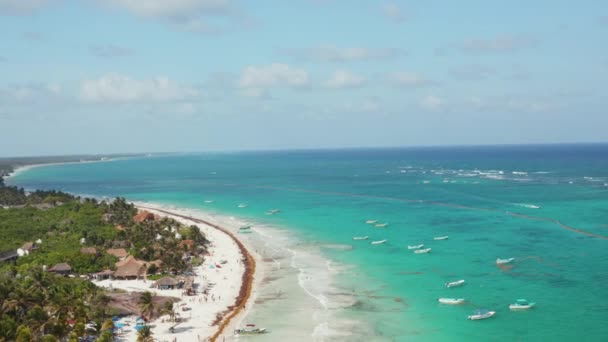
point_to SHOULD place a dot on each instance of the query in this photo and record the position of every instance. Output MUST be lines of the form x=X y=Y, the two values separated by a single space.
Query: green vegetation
x=36 y=304
x=56 y=228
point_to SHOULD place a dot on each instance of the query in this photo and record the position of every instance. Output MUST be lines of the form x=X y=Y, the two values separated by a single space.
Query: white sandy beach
x=200 y=311
x=294 y=294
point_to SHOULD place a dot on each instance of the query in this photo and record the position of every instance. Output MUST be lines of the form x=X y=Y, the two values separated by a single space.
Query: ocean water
x=546 y=206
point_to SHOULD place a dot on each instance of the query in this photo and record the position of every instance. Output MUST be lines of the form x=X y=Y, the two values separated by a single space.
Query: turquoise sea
x=546 y=206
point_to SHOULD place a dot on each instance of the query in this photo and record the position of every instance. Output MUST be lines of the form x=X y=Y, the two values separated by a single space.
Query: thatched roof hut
x=29 y=246
x=188 y=244
x=143 y=216
x=166 y=283
x=61 y=268
x=103 y=274
x=130 y=268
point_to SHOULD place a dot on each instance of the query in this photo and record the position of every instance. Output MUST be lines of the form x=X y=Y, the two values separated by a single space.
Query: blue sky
x=103 y=76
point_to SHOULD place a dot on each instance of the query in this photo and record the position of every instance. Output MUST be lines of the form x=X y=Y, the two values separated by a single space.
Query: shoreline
x=246 y=289
x=23 y=168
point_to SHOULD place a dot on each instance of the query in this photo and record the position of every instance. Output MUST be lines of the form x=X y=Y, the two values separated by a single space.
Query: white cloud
x=172 y=8
x=504 y=43
x=332 y=53
x=393 y=13
x=344 y=79
x=116 y=88
x=31 y=93
x=110 y=51
x=17 y=7
x=431 y=103
x=273 y=75
x=198 y=16
x=407 y=79
x=512 y=104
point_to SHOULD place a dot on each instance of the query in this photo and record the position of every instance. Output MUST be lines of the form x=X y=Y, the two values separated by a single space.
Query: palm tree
x=107 y=325
x=168 y=309
x=145 y=335
x=146 y=304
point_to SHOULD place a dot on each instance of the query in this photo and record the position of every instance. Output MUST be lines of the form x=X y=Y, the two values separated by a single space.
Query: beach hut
x=29 y=246
x=105 y=274
x=186 y=244
x=143 y=216
x=129 y=268
x=61 y=268
x=166 y=283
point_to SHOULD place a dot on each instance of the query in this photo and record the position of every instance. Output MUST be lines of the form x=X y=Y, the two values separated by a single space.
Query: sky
x=114 y=76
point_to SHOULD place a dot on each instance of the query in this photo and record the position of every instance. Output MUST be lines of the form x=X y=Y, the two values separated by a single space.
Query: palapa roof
x=166 y=281
x=118 y=252
x=105 y=272
x=143 y=216
x=28 y=246
x=61 y=267
x=188 y=243
x=88 y=250
x=130 y=267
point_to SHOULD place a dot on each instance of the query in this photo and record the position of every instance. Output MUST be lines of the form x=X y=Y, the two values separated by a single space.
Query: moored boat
x=455 y=283
x=360 y=237
x=209 y=201
x=521 y=304
x=416 y=246
x=242 y=205
x=441 y=238
x=371 y=221
x=378 y=242
x=451 y=301
x=422 y=251
x=381 y=225
x=504 y=261
x=250 y=331
x=481 y=314
x=272 y=211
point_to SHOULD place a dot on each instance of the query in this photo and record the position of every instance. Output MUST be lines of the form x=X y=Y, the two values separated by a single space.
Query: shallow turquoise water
x=469 y=194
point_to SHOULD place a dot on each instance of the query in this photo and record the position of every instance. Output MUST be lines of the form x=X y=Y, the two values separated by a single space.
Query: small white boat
x=371 y=221
x=381 y=225
x=455 y=283
x=504 y=261
x=451 y=301
x=481 y=314
x=378 y=242
x=521 y=304
x=272 y=211
x=422 y=251
x=416 y=246
x=250 y=331
x=360 y=237
x=209 y=201
x=242 y=205
x=441 y=238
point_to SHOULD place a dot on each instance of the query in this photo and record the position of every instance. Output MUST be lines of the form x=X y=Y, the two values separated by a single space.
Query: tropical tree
x=145 y=335
x=23 y=334
x=107 y=325
x=169 y=310
x=146 y=304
